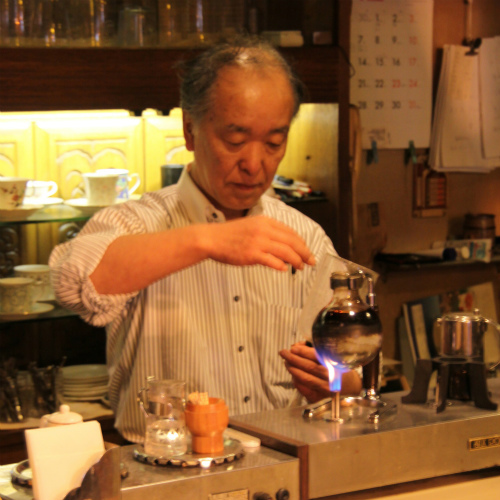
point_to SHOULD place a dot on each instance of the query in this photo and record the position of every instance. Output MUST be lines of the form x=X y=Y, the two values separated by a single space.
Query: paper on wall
x=489 y=71
x=458 y=125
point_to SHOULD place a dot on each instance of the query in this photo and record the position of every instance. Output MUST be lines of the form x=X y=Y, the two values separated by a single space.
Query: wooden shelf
x=385 y=267
x=45 y=79
x=56 y=313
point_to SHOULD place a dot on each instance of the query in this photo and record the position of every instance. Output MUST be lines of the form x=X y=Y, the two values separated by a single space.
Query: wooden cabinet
x=136 y=79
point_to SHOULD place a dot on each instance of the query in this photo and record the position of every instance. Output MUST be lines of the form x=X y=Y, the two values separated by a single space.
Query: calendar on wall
x=391 y=54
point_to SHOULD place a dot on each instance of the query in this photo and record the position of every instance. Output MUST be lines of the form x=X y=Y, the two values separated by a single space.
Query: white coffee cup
x=40 y=274
x=100 y=188
x=16 y=295
x=123 y=188
x=12 y=192
x=41 y=189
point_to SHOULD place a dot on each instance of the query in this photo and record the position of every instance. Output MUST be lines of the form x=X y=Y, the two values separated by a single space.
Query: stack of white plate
x=85 y=382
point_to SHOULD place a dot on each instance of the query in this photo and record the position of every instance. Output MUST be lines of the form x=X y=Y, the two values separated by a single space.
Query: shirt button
x=246 y=399
x=236 y=298
x=241 y=347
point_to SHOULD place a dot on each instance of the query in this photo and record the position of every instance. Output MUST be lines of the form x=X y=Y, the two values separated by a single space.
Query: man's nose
x=254 y=158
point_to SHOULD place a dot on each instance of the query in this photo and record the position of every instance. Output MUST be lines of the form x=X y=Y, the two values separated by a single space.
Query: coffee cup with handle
x=123 y=188
x=40 y=274
x=16 y=295
x=100 y=188
x=41 y=189
x=12 y=192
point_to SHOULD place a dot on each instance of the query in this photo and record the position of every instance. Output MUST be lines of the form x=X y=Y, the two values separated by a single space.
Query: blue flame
x=335 y=372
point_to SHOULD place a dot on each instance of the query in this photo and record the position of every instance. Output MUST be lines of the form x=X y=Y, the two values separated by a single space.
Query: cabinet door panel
x=16 y=148
x=68 y=147
x=85 y=145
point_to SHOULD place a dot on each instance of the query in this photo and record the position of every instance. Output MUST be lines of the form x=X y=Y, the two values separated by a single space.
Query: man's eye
x=235 y=142
x=274 y=145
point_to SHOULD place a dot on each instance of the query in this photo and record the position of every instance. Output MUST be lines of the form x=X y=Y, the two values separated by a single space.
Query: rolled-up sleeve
x=73 y=262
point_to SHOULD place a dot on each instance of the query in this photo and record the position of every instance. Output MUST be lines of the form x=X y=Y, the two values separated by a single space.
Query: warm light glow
x=173 y=435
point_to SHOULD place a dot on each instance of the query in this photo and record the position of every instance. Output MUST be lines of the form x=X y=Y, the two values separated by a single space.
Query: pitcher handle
x=494 y=366
x=140 y=400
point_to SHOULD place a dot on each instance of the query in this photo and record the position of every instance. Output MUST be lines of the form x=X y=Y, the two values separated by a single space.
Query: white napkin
x=60 y=456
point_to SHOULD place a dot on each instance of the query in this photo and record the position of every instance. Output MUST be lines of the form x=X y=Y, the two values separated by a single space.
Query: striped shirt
x=216 y=326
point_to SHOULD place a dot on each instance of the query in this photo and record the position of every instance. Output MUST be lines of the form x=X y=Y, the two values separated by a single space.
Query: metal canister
x=479 y=226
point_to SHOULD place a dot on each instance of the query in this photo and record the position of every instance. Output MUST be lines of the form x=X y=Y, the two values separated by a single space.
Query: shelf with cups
x=140 y=78
x=35 y=214
x=26 y=294
x=46 y=310
x=393 y=263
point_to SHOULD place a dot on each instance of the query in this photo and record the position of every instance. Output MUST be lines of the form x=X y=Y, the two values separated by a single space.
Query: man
x=205 y=280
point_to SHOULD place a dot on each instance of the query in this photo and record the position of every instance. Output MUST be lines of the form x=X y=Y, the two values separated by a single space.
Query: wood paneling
x=136 y=79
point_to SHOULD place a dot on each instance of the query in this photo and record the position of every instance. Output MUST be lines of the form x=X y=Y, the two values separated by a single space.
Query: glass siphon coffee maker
x=347 y=333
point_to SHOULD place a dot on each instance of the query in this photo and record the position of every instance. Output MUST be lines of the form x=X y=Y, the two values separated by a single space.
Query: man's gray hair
x=198 y=75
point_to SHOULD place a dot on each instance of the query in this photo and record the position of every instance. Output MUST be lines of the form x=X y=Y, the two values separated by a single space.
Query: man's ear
x=187 y=127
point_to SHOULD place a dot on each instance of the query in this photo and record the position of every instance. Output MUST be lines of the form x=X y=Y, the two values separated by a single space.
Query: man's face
x=241 y=140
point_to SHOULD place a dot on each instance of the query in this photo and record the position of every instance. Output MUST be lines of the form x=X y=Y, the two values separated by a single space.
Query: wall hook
x=473 y=46
x=411 y=153
x=372 y=154
x=472 y=43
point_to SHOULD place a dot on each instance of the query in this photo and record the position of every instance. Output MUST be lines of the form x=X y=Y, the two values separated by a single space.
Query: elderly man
x=205 y=280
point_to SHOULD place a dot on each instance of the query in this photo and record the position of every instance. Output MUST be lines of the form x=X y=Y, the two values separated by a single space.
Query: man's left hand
x=310 y=377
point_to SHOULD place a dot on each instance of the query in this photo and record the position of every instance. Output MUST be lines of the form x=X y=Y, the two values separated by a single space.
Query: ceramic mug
x=16 y=295
x=12 y=192
x=123 y=188
x=40 y=274
x=100 y=189
x=41 y=189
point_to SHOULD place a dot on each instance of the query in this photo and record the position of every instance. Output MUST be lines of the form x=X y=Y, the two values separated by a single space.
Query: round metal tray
x=22 y=476
x=233 y=450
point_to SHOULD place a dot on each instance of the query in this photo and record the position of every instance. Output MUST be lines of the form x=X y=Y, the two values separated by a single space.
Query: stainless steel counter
x=414 y=449
x=260 y=471
x=413 y=443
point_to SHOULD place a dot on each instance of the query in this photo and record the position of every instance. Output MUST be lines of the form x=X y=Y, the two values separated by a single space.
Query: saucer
x=42 y=201
x=85 y=372
x=83 y=205
x=38 y=308
x=20 y=213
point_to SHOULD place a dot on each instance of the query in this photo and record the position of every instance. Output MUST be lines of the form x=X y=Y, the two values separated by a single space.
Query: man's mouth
x=246 y=187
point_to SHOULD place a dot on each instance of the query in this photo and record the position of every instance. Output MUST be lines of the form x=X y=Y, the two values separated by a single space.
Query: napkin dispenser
x=60 y=456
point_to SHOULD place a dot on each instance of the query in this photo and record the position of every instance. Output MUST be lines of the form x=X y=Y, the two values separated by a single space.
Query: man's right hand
x=132 y=262
x=256 y=240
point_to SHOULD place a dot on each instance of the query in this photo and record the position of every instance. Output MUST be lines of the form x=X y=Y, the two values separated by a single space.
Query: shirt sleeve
x=73 y=262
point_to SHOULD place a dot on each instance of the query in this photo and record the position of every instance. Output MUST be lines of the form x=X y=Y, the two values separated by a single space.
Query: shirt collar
x=198 y=207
